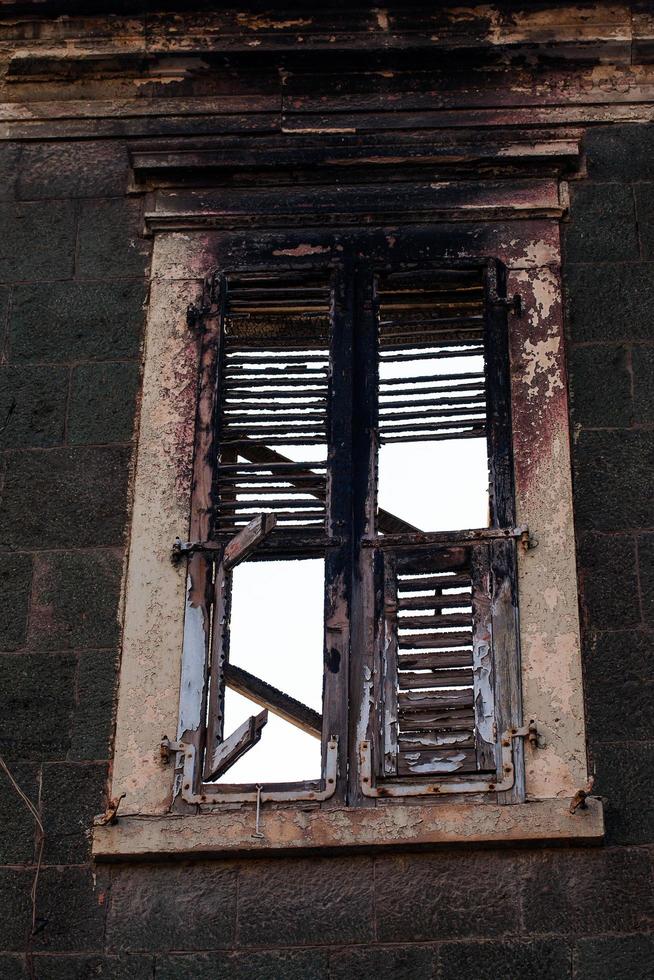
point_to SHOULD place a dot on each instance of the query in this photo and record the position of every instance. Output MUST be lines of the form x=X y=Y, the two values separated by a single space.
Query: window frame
x=352 y=541
x=149 y=680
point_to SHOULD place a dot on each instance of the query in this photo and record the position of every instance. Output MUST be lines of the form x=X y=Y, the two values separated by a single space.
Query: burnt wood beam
x=281 y=704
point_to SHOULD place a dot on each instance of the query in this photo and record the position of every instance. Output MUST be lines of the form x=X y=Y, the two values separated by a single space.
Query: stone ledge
x=300 y=829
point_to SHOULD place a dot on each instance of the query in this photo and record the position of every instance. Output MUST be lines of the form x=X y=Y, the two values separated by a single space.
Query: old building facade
x=146 y=147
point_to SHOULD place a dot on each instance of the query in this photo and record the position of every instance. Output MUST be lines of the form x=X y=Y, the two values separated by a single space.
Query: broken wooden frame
x=475 y=674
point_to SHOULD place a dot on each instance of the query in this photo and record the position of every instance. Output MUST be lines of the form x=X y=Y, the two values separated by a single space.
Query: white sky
x=278 y=607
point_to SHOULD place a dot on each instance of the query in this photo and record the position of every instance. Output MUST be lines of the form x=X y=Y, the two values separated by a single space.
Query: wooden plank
x=236 y=745
x=434 y=659
x=389 y=666
x=506 y=655
x=433 y=740
x=436 y=762
x=281 y=704
x=244 y=543
x=486 y=734
x=429 y=700
x=409 y=680
x=454 y=720
x=456 y=601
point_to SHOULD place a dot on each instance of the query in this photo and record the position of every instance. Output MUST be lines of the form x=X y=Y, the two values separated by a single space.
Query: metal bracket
x=512 y=304
x=184 y=549
x=261 y=795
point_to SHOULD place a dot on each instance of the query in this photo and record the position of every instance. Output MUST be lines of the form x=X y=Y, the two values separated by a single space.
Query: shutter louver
x=435 y=317
x=273 y=393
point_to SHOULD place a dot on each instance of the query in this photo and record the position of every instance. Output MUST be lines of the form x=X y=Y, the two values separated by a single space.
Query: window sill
x=301 y=829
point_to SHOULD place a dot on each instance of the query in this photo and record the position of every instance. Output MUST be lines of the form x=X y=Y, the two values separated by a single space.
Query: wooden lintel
x=286 y=707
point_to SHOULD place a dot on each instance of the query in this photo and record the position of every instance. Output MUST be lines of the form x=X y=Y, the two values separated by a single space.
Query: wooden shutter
x=436 y=658
x=447 y=635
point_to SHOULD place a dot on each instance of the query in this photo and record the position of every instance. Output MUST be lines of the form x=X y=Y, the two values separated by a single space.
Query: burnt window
x=358 y=563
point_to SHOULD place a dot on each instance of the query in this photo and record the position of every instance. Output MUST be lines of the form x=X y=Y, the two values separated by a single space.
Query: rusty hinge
x=531 y=733
x=209 y=304
x=167 y=746
x=184 y=549
x=527 y=541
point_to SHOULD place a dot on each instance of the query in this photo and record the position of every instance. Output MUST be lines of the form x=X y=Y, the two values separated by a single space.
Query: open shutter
x=271 y=424
x=222 y=752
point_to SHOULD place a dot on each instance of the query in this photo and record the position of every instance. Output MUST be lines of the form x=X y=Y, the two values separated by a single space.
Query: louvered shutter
x=446 y=608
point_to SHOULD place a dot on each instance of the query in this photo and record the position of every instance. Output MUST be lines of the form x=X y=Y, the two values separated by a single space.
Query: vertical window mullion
x=498 y=400
x=338 y=554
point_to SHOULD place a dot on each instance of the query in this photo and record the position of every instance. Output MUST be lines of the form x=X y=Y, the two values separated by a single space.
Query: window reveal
x=315 y=374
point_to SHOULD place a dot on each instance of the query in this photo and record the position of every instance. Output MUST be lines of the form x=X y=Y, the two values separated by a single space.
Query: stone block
x=75 y=600
x=619 y=686
x=71 y=796
x=610 y=302
x=13 y=967
x=32 y=406
x=613 y=488
x=614 y=958
x=15 y=590
x=602 y=225
x=69 y=321
x=600 y=386
x=398 y=962
x=644 y=195
x=165 y=907
x=70 y=911
x=18 y=836
x=609 y=582
x=624 y=778
x=548 y=959
x=110 y=240
x=16 y=923
x=646 y=575
x=310 y=902
x=93 y=714
x=300 y=964
x=38 y=241
x=83 y=967
x=446 y=896
x=623 y=152
x=587 y=891
x=38 y=697
x=643 y=374
x=65 y=498
x=92 y=168
x=102 y=403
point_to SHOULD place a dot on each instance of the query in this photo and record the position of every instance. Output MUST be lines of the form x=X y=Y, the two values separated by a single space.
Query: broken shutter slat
x=239 y=742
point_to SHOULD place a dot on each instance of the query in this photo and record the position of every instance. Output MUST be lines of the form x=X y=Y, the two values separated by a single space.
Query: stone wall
x=73 y=269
